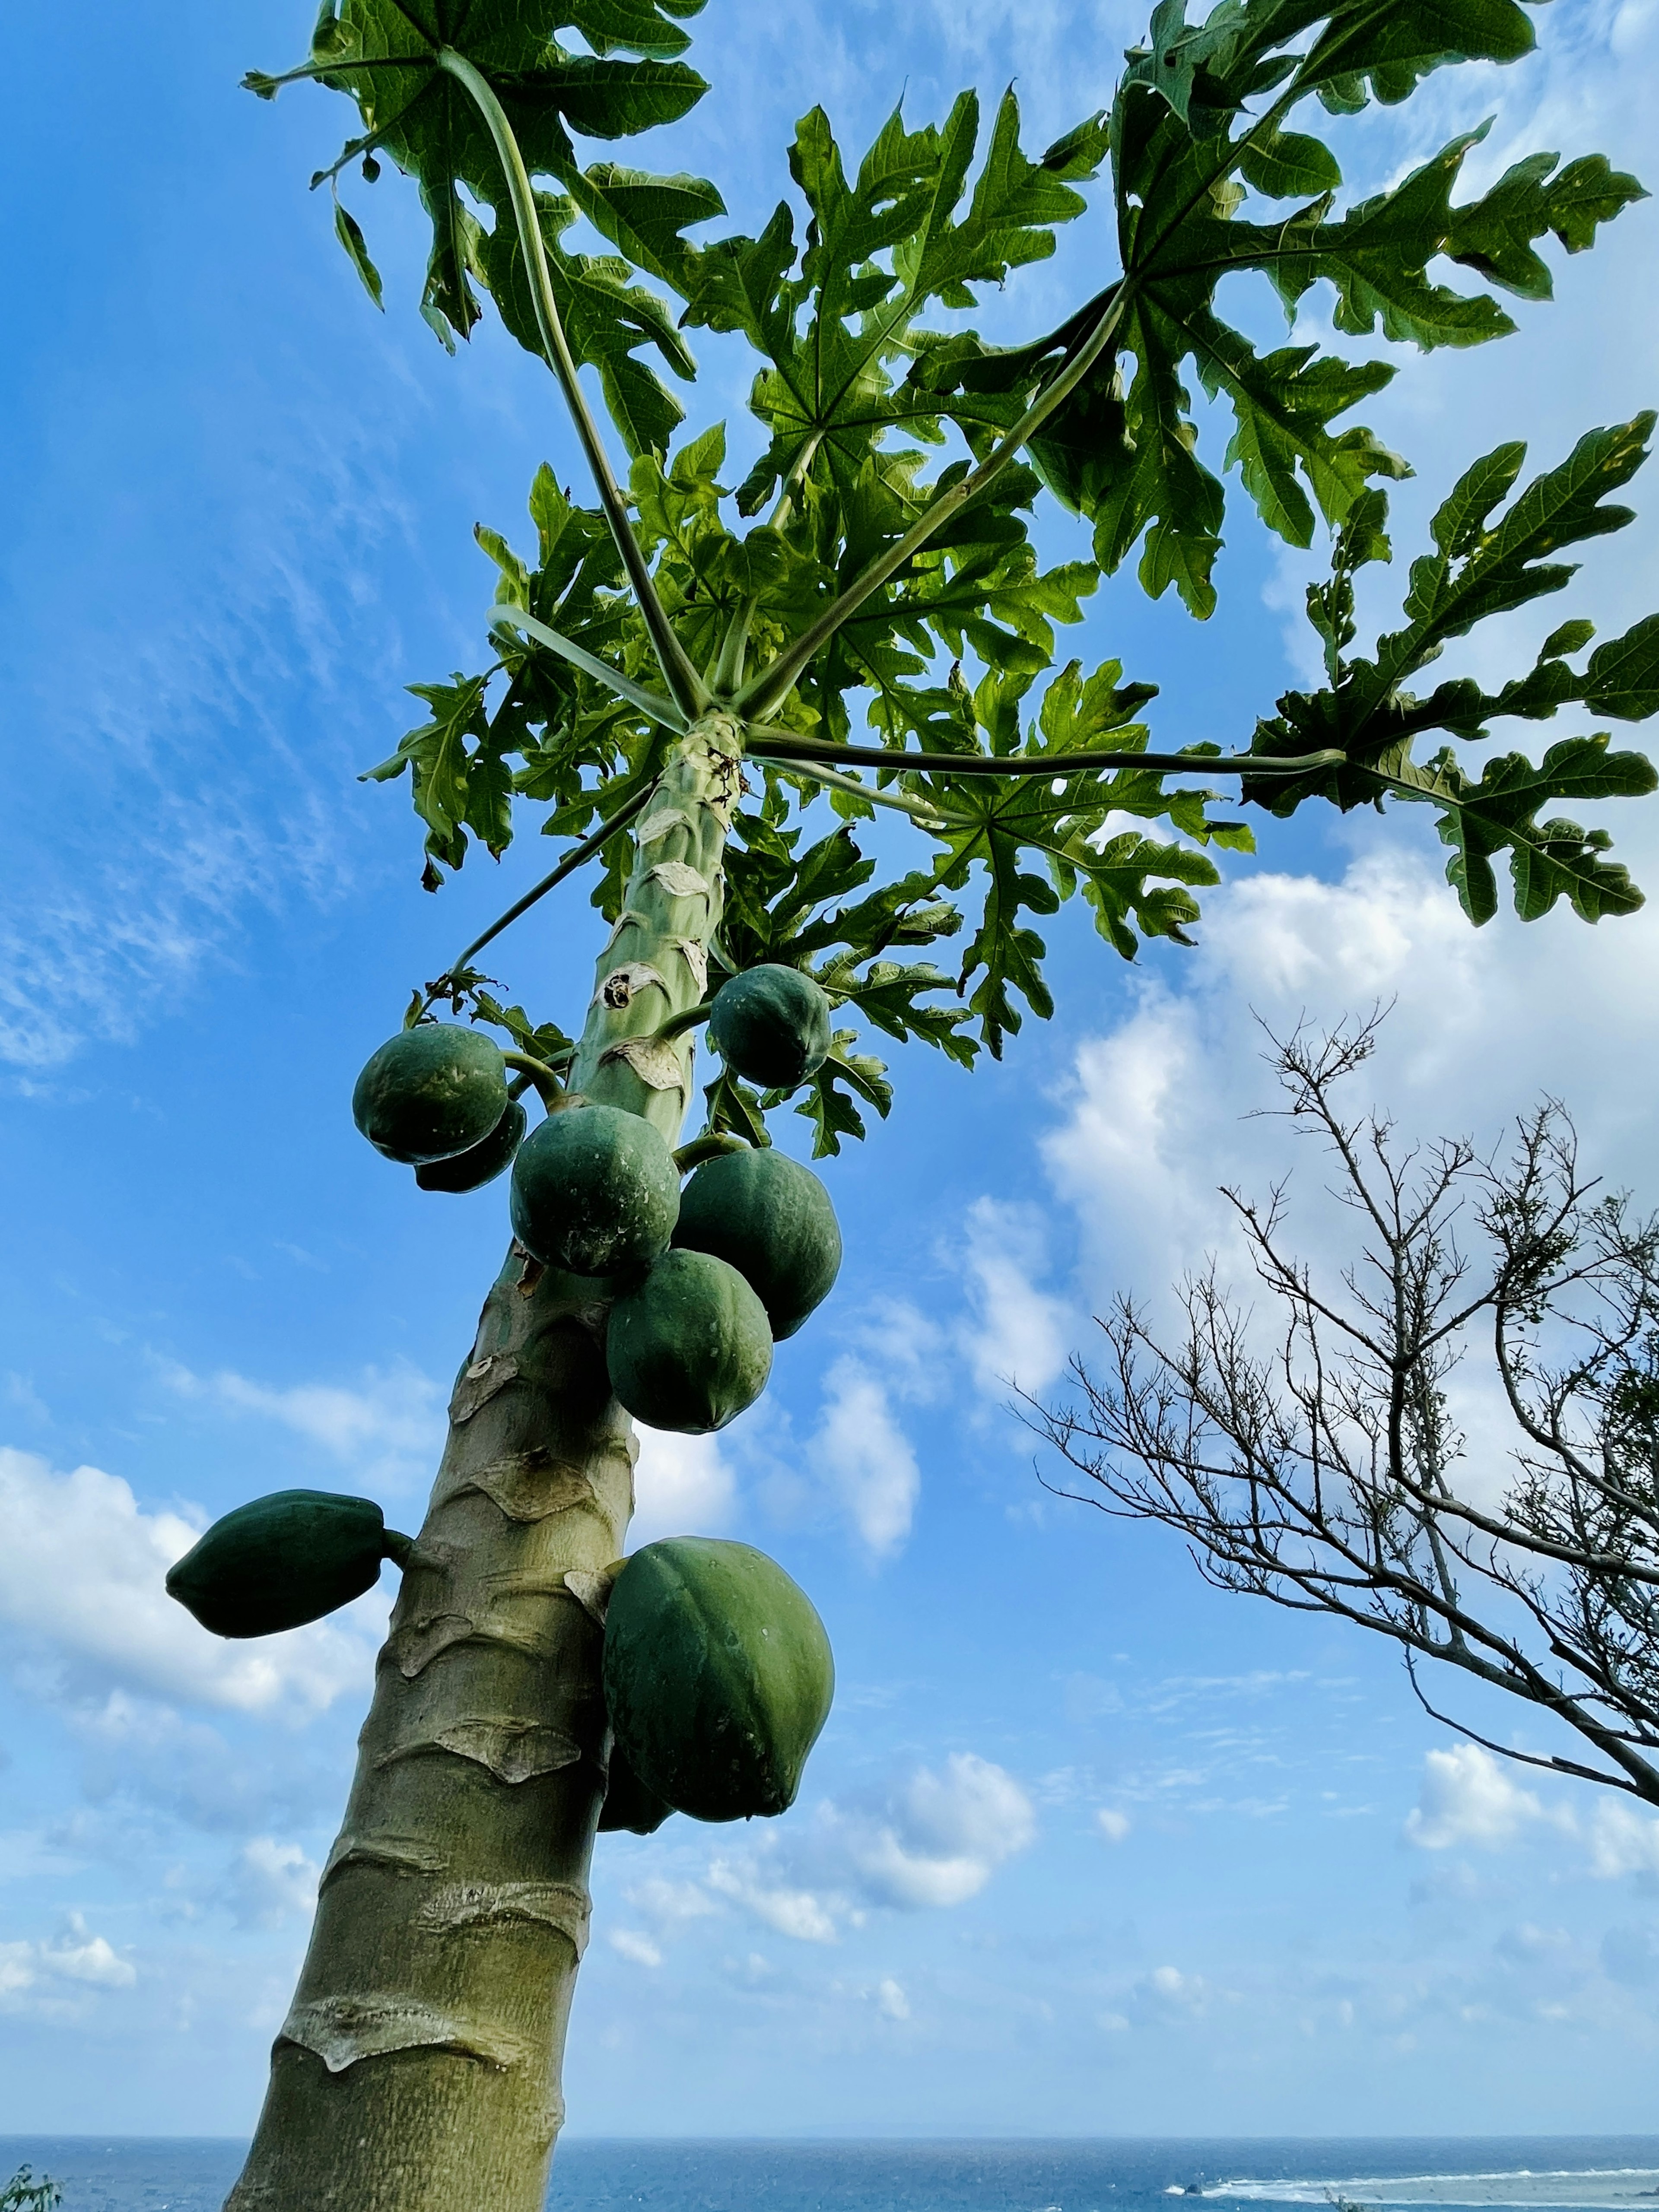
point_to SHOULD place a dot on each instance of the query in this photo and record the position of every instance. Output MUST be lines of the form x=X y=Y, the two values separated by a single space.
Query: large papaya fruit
x=718 y=1676
x=282 y=1561
x=430 y=1092
x=482 y=1163
x=771 y=1025
x=595 y=1191
x=688 y=1348
x=769 y=1218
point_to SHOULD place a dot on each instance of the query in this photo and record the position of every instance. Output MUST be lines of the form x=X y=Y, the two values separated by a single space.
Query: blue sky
x=1086 y=1847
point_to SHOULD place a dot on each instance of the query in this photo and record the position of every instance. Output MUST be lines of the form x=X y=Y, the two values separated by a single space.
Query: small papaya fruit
x=771 y=1219
x=481 y=1163
x=282 y=1561
x=595 y=1191
x=771 y=1025
x=430 y=1092
x=688 y=1348
x=718 y=1676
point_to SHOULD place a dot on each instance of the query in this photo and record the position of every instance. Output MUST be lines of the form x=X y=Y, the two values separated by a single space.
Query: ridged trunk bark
x=419 y=2067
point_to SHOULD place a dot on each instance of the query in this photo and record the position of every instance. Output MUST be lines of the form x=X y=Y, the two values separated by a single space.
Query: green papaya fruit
x=627 y=1803
x=282 y=1561
x=769 y=1218
x=482 y=1163
x=430 y=1092
x=771 y=1025
x=688 y=1348
x=718 y=1676
x=595 y=1191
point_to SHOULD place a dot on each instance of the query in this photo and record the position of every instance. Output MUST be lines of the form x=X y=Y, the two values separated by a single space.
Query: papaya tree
x=670 y=678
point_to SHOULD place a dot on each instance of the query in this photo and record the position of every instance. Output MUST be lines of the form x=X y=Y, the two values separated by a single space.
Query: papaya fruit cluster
x=706 y=1279
x=718 y=1674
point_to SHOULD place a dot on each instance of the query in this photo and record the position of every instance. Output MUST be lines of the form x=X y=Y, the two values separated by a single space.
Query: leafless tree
x=1314 y=1460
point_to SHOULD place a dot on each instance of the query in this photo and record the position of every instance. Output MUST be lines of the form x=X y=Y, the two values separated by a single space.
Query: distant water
x=1578 y=2173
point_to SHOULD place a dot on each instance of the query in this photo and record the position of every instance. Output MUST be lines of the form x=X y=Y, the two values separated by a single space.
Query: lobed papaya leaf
x=1488 y=559
x=383 y=54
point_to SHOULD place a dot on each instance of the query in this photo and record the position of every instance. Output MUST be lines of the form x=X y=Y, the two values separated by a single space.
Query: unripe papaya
x=595 y=1191
x=430 y=1092
x=627 y=1803
x=282 y=1561
x=718 y=1676
x=769 y=1218
x=771 y=1025
x=480 y=1164
x=688 y=1348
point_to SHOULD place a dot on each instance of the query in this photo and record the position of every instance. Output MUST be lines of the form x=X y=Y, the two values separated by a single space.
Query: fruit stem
x=709 y=1147
x=397 y=1547
x=690 y=1017
x=539 y=1073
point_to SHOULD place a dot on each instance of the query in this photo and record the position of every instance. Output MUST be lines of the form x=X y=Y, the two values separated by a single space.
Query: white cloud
x=668 y=1901
x=795 y=1912
x=80 y=1956
x=390 y=1428
x=1622 y=1841
x=1113 y=1826
x=82 y=1592
x=683 y=1486
x=1166 y=1997
x=1467 y=1796
x=629 y=1943
x=272 y=1882
x=890 y=2000
x=864 y=1459
x=77 y=1955
x=1018 y=1335
x=933 y=1841
x=936 y=1839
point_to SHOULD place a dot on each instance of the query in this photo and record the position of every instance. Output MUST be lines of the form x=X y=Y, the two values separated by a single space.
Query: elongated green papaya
x=282 y=1561
x=688 y=1348
x=627 y=1803
x=430 y=1092
x=771 y=1025
x=482 y=1163
x=769 y=1218
x=718 y=1676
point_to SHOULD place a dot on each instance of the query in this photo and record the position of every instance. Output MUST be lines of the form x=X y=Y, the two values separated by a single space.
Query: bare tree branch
x=1327 y=1474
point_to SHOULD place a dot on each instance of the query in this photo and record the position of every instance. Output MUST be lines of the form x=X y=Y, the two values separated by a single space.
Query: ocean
x=1532 y=2174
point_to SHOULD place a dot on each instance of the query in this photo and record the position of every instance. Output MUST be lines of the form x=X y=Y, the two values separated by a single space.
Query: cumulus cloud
x=1166 y=1997
x=863 y=1457
x=630 y=1944
x=1622 y=1841
x=890 y=2000
x=795 y=1912
x=272 y=1882
x=683 y=1486
x=389 y=1428
x=932 y=1841
x=82 y=1598
x=75 y=1956
x=1019 y=1334
x=1467 y=1796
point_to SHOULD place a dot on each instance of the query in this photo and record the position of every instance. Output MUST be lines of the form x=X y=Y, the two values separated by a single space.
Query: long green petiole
x=793 y=752
x=652 y=703
x=918 y=809
x=689 y=693
x=568 y=867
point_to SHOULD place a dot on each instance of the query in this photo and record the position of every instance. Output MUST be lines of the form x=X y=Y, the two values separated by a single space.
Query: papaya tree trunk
x=417 y=2069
